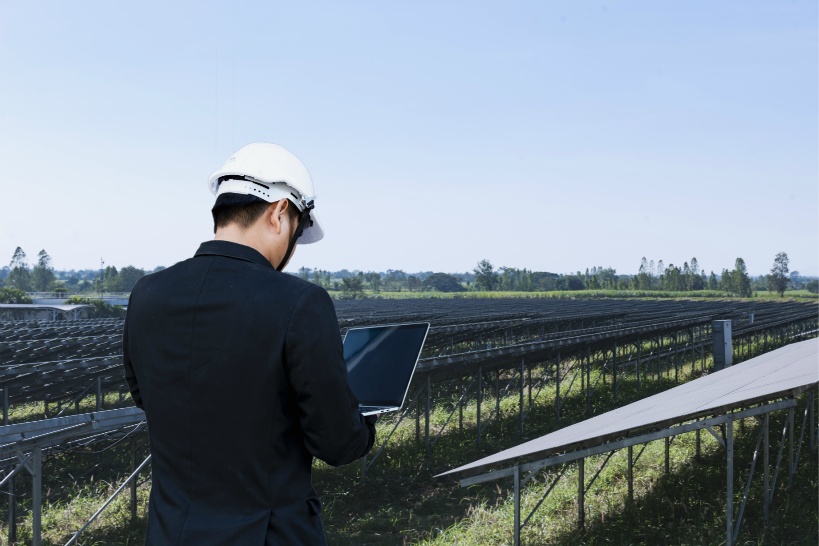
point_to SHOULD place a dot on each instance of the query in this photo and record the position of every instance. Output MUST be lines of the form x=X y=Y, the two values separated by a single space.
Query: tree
x=19 y=277
x=413 y=283
x=672 y=279
x=110 y=277
x=394 y=280
x=702 y=282
x=42 y=276
x=322 y=278
x=443 y=283
x=570 y=282
x=740 y=279
x=525 y=283
x=128 y=277
x=485 y=276
x=507 y=279
x=13 y=295
x=100 y=309
x=643 y=279
x=374 y=280
x=712 y=281
x=726 y=281
x=812 y=286
x=352 y=287
x=778 y=279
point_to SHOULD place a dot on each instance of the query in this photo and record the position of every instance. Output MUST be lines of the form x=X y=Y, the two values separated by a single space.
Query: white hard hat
x=270 y=172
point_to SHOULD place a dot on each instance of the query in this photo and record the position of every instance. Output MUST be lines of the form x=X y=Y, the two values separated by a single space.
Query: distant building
x=39 y=311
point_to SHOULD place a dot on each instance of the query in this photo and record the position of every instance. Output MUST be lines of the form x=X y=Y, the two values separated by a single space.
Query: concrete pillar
x=722 y=346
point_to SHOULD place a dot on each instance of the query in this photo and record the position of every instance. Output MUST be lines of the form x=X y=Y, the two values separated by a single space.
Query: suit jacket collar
x=232 y=250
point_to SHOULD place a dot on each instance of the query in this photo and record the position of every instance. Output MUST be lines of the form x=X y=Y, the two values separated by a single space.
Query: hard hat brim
x=312 y=234
x=273 y=193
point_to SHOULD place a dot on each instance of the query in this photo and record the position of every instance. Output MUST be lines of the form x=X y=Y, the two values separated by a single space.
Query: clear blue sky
x=548 y=135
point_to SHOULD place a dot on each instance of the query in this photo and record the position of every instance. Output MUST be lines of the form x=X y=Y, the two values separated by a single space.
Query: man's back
x=240 y=371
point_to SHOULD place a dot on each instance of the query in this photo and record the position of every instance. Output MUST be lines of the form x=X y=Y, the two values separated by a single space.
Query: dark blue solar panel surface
x=788 y=369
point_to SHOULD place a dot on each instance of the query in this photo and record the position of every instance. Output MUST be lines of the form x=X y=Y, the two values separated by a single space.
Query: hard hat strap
x=304 y=221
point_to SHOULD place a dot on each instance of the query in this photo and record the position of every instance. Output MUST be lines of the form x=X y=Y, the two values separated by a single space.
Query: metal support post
x=99 y=394
x=480 y=397
x=791 y=464
x=133 y=482
x=581 y=493
x=631 y=473
x=693 y=357
x=522 y=381
x=497 y=393
x=614 y=371
x=417 y=423
x=37 y=497
x=667 y=455
x=588 y=380
x=639 y=355
x=812 y=405
x=729 y=499
x=529 y=382
x=426 y=420
x=702 y=356
x=698 y=456
x=517 y=505
x=461 y=405
x=12 y=512
x=657 y=360
x=582 y=373
x=557 y=397
x=676 y=359
x=766 y=495
x=6 y=406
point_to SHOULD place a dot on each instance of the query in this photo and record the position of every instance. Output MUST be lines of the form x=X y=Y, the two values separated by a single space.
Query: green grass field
x=402 y=503
x=798 y=295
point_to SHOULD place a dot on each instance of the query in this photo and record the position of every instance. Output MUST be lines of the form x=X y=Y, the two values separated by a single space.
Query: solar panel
x=788 y=370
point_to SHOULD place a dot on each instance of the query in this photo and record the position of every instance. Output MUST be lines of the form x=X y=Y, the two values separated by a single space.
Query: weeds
x=401 y=503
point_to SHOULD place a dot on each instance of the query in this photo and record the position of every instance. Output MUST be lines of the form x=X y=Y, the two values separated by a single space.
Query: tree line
x=42 y=277
x=650 y=276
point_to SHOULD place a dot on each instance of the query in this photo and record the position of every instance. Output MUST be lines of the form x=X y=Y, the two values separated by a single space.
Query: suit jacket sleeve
x=334 y=429
x=130 y=376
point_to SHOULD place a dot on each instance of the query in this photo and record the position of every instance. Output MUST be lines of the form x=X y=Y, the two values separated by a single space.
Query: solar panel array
x=57 y=362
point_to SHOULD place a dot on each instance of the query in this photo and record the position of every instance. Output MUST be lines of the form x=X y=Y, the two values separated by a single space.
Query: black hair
x=242 y=209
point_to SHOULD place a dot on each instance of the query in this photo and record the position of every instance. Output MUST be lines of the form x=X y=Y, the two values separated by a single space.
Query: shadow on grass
x=688 y=506
x=401 y=502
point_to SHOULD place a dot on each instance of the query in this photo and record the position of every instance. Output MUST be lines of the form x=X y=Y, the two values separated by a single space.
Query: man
x=240 y=369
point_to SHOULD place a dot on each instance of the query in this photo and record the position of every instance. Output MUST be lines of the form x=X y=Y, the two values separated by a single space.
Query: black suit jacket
x=241 y=374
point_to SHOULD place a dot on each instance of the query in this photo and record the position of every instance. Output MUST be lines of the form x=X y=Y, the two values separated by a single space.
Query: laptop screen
x=381 y=360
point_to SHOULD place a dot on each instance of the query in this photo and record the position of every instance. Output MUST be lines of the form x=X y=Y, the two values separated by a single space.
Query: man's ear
x=274 y=214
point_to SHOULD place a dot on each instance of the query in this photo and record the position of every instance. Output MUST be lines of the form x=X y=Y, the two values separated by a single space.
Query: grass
x=401 y=502
x=791 y=295
x=21 y=413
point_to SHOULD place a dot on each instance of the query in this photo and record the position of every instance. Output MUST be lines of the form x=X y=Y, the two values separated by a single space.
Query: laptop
x=380 y=363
